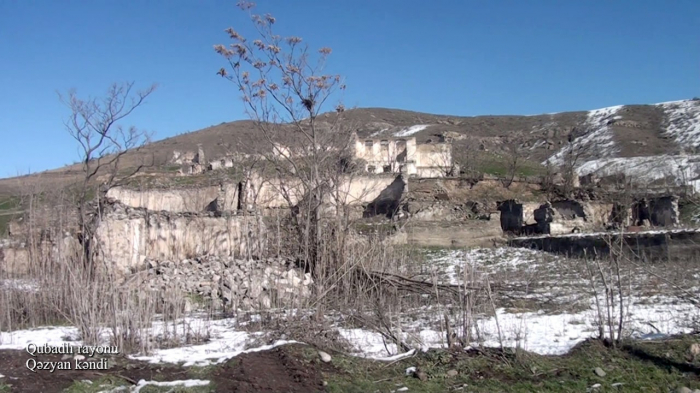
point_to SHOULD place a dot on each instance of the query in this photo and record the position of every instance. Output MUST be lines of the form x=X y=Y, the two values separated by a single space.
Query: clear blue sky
x=444 y=56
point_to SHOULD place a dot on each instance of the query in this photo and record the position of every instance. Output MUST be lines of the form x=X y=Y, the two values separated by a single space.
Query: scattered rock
x=326 y=358
x=79 y=357
x=599 y=372
x=695 y=350
x=452 y=373
x=683 y=389
x=420 y=374
x=227 y=281
x=410 y=370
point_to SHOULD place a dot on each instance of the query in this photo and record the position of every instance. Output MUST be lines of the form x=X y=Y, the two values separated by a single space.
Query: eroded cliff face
x=128 y=236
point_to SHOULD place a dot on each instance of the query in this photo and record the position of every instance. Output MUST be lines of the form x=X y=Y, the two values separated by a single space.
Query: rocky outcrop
x=230 y=282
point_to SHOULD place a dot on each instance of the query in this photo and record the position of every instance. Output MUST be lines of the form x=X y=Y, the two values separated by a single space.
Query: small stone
x=684 y=389
x=325 y=383
x=599 y=372
x=66 y=357
x=695 y=350
x=325 y=358
x=420 y=374
x=452 y=373
x=79 y=357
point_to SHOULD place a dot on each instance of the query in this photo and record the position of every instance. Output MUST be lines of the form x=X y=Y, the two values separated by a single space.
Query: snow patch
x=185 y=383
x=683 y=121
x=598 y=139
x=411 y=130
x=225 y=343
x=19 y=285
x=680 y=170
x=51 y=335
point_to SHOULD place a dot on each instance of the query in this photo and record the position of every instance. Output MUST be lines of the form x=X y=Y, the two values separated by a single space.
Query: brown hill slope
x=624 y=131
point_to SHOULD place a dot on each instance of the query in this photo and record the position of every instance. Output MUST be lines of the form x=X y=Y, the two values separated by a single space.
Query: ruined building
x=403 y=155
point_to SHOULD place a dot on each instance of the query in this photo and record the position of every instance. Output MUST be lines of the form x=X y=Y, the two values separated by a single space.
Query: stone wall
x=129 y=236
x=230 y=282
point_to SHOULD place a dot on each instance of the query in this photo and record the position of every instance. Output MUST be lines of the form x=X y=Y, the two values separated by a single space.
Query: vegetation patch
x=652 y=366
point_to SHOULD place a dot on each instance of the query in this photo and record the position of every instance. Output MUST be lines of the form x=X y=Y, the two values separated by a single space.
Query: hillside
x=608 y=139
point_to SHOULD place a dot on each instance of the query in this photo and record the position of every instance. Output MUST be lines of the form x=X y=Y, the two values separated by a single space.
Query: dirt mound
x=277 y=370
x=284 y=369
x=13 y=367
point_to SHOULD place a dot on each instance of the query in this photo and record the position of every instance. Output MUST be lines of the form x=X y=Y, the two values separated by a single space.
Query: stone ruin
x=230 y=282
x=571 y=216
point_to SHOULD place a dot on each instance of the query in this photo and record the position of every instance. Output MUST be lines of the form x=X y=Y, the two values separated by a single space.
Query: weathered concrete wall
x=278 y=193
x=433 y=159
x=14 y=259
x=174 y=200
x=18 y=258
x=128 y=236
x=363 y=189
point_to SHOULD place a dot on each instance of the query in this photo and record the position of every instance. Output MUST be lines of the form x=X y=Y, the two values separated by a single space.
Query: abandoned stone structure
x=230 y=282
x=403 y=155
x=381 y=155
x=128 y=236
x=569 y=216
x=191 y=163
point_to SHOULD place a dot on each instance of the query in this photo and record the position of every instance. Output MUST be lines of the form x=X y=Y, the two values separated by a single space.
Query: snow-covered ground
x=684 y=170
x=560 y=312
x=226 y=340
x=546 y=308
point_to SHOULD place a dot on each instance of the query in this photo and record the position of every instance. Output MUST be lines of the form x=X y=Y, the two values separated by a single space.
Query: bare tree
x=102 y=143
x=285 y=90
x=513 y=146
